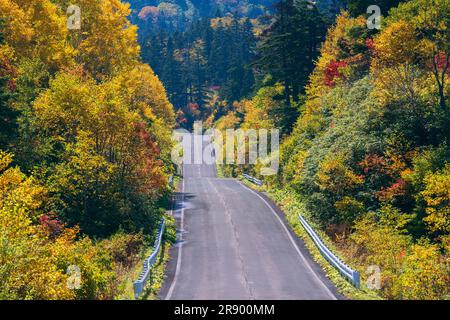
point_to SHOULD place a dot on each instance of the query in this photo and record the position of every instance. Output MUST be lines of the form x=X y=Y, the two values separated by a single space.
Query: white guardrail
x=348 y=273
x=140 y=284
x=252 y=179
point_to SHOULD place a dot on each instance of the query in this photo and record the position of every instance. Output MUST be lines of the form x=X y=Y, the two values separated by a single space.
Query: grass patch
x=157 y=275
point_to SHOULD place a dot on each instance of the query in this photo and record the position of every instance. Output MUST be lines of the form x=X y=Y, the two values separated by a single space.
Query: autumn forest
x=87 y=115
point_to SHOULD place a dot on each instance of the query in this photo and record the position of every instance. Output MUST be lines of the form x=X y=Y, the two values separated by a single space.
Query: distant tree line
x=210 y=57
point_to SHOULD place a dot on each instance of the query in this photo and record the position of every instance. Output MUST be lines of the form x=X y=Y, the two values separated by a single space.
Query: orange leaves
x=374 y=163
x=194 y=110
x=51 y=224
x=181 y=117
x=146 y=162
x=397 y=189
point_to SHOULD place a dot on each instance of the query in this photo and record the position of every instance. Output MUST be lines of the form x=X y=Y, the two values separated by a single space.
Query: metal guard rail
x=140 y=284
x=348 y=273
x=252 y=179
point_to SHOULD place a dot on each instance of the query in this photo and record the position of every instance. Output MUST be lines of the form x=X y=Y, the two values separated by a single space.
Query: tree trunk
x=295 y=92
x=442 y=97
x=440 y=78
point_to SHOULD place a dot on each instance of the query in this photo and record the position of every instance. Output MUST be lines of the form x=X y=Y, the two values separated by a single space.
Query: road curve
x=233 y=245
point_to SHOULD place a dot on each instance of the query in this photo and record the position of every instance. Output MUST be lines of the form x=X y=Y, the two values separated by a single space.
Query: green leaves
x=290 y=46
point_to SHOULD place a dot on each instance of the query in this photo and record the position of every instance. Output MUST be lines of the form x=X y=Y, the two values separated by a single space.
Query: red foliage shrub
x=51 y=224
x=333 y=71
x=370 y=43
x=397 y=189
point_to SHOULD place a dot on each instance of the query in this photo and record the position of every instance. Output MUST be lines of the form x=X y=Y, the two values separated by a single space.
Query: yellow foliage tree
x=143 y=92
x=429 y=20
x=437 y=197
x=395 y=65
x=329 y=52
x=37 y=28
x=29 y=270
x=257 y=110
x=424 y=274
x=107 y=41
x=382 y=246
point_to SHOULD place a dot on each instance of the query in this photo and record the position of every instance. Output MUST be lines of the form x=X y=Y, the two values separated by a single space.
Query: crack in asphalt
x=244 y=274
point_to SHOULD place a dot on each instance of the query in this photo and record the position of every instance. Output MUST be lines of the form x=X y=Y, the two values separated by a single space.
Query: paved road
x=234 y=245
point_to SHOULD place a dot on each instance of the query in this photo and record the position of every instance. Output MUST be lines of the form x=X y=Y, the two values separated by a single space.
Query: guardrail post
x=138 y=288
x=139 y=284
x=356 y=279
x=253 y=179
x=349 y=274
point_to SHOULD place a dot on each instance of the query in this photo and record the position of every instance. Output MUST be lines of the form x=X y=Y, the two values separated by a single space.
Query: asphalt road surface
x=234 y=245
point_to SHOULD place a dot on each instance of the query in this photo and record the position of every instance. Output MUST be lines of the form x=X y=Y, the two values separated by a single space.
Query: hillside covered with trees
x=208 y=61
x=365 y=151
x=176 y=15
x=85 y=143
x=205 y=66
